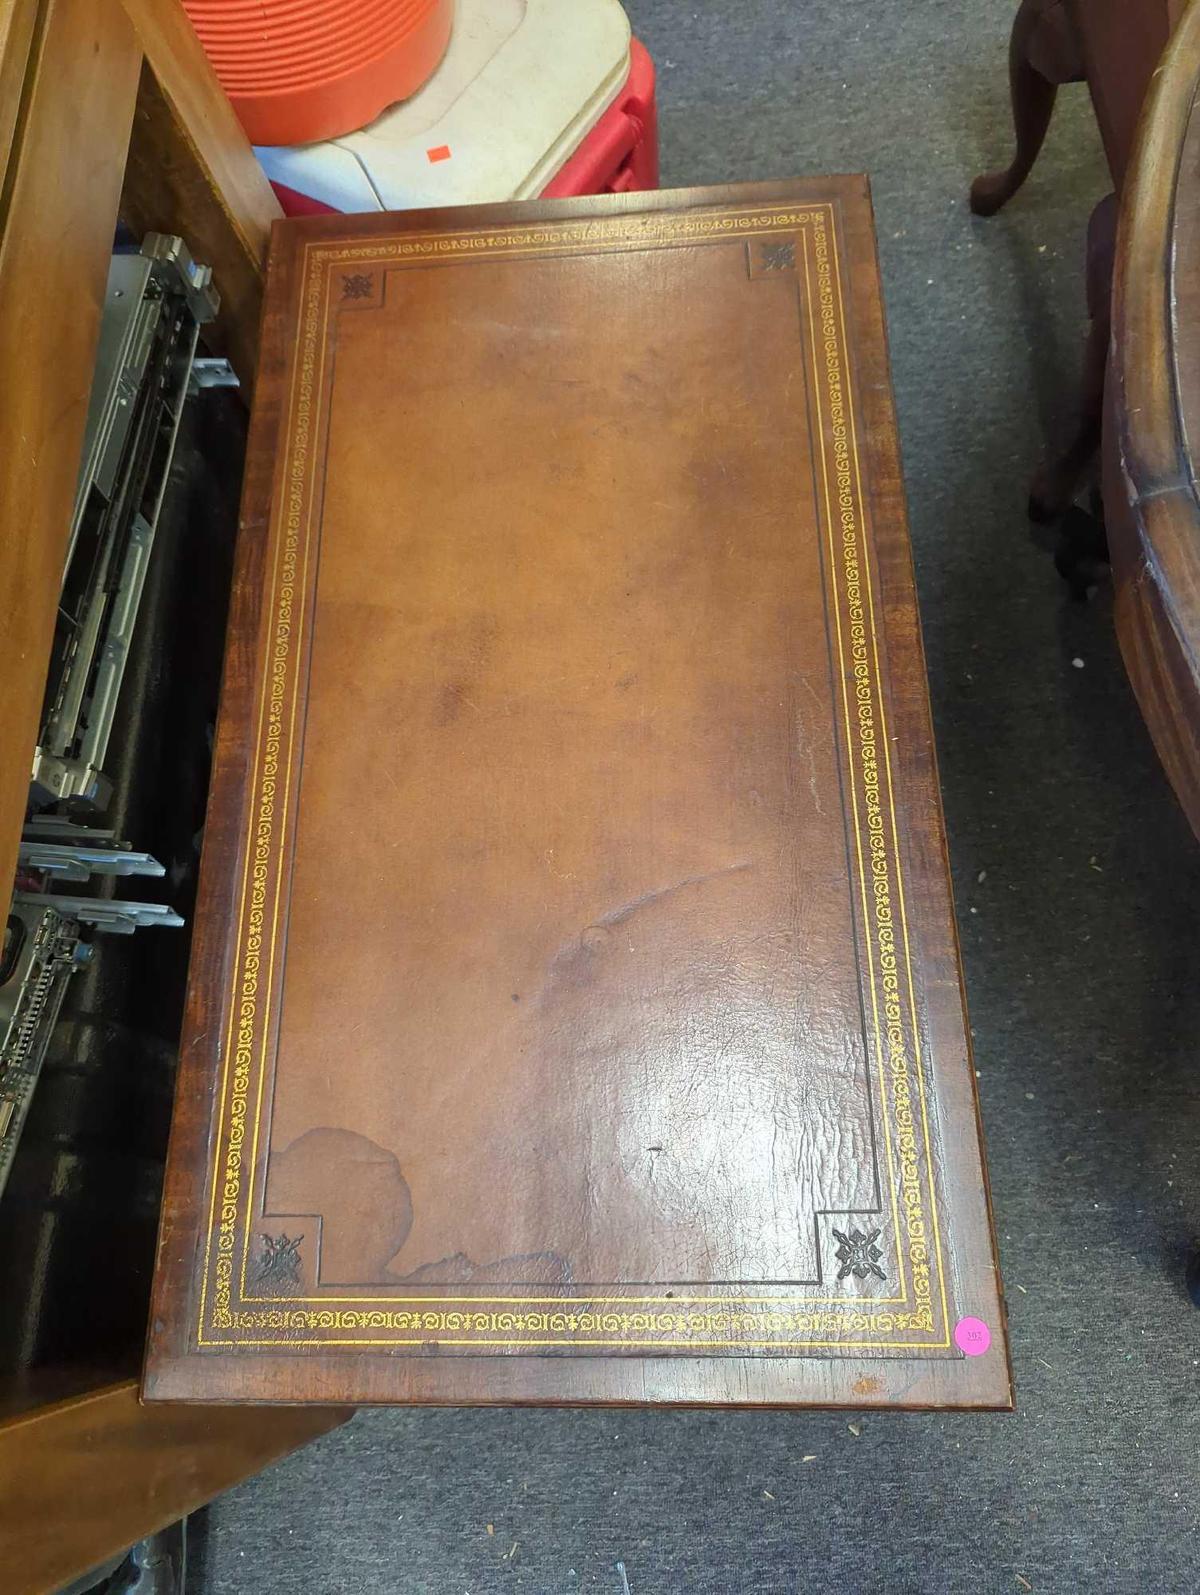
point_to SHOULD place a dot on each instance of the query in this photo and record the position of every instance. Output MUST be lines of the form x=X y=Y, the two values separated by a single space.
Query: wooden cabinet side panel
x=82 y=1479
x=64 y=180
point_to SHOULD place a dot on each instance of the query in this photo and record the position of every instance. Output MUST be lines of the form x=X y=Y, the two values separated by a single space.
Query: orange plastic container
x=301 y=70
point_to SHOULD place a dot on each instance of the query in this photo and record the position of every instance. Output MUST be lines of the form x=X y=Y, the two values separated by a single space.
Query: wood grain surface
x=1121 y=46
x=191 y=169
x=66 y=152
x=576 y=1013
x=208 y=125
x=19 y=20
x=1153 y=417
x=83 y=1478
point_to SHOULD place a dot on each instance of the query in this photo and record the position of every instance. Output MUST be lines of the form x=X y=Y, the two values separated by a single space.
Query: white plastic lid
x=520 y=87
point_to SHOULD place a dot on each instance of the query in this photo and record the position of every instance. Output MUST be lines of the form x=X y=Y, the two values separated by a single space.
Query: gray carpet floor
x=1077 y=881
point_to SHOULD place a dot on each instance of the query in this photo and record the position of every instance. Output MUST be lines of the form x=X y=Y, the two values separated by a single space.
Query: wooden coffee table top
x=576 y=1013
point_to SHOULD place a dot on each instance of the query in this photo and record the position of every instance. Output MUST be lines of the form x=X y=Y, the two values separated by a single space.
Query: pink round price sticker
x=972 y=1336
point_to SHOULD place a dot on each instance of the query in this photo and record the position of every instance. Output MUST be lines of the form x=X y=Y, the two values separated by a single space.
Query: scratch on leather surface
x=569 y=955
x=804 y=741
x=618 y=916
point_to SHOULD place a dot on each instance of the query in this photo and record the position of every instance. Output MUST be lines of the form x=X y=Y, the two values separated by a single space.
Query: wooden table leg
x=1042 y=53
x=1056 y=482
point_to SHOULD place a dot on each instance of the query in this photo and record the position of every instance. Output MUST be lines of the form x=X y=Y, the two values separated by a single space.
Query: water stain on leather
x=453 y=698
x=360 y=1192
x=538 y=1268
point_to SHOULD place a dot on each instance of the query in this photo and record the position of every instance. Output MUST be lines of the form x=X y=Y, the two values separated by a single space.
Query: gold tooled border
x=793 y=1323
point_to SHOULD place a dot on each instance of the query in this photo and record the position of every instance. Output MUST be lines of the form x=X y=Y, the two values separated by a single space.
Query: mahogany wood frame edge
x=1150 y=487
x=223 y=1376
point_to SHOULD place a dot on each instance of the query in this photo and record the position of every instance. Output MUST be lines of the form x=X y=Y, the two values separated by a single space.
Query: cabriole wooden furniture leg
x=1113 y=46
x=1042 y=53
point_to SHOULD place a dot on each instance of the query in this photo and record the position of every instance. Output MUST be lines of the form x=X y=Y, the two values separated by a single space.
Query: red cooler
x=532 y=97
